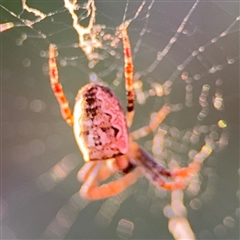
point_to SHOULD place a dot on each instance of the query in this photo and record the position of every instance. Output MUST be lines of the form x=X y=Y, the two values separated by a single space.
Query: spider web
x=184 y=53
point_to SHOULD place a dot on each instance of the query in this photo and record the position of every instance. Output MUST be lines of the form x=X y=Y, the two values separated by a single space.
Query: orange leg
x=156 y=173
x=57 y=87
x=91 y=180
x=196 y=164
x=107 y=169
x=6 y=26
x=85 y=171
x=128 y=73
x=171 y=186
x=144 y=131
x=90 y=189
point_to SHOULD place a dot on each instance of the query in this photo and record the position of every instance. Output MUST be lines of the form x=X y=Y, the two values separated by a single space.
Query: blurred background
x=198 y=75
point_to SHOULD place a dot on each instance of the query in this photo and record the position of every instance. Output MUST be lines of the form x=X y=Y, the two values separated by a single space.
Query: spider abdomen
x=99 y=123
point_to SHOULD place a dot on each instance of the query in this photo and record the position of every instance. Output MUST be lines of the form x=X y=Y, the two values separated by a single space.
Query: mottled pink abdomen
x=99 y=123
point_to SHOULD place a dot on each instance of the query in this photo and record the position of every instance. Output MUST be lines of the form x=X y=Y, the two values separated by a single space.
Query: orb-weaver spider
x=101 y=131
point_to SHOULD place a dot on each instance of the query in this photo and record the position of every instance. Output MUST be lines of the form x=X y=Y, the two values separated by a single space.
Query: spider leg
x=128 y=73
x=153 y=124
x=85 y=171
x=196 y=164
x=108 y=168
x=91 y=180
x=152 y=168
x=170 y=186
x=57 y=87
x=155 y=172
x=90 y=189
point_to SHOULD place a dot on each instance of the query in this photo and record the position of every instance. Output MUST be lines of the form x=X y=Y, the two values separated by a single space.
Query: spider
x=100 y=128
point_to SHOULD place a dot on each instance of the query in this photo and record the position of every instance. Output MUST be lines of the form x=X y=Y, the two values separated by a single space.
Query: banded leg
x=156 y=172
x=128 y=73
x=57 y=87
x=144 y=131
